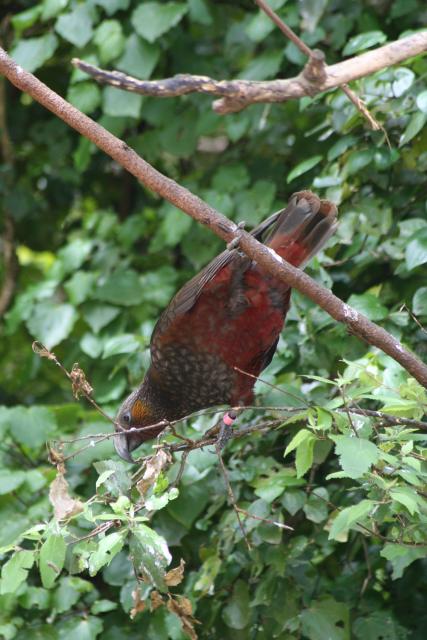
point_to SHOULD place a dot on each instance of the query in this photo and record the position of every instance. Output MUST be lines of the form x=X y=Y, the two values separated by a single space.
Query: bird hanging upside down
x=228 y=316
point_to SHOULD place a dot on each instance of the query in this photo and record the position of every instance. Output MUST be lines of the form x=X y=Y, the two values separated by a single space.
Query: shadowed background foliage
x=99 y=257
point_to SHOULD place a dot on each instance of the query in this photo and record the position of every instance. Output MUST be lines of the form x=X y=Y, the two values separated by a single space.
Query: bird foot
x=233 y=244
x=225 y=430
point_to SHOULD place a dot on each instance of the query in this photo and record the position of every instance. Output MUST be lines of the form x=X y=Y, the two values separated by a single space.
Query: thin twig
x=266 y=520
x=232 y=498
x=315 y=69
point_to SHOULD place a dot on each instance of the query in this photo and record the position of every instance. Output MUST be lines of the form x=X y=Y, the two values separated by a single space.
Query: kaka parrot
x=229 y=315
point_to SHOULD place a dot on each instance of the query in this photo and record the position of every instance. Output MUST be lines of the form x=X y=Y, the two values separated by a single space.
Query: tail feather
x=303 y=228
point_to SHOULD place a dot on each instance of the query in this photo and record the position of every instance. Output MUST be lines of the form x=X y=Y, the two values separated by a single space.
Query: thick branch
x=208 y=216
x=238 y=94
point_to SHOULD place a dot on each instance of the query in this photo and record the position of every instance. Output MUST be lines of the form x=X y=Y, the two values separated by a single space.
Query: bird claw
x=234 y=243
x=226 y=429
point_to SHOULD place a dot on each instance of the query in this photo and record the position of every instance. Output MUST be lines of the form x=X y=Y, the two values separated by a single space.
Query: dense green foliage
x=100 y=257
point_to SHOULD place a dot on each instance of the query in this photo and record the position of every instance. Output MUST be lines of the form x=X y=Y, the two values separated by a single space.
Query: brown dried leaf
x=181 y=606
x=156 y=600
x=175 y=576
x=63 y=504
x=153 y=468
x=79 y=383
x=138 y=604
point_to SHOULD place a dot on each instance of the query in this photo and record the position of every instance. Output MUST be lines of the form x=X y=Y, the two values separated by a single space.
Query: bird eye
x=126 y=417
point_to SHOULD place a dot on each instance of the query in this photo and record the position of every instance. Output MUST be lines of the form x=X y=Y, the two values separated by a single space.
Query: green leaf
x=102 y=606
x=121 y=287
x=112 y=6
x=51 y=323
x=304 y=455
x=109 y=39
x=78 y=628
x=117 y=102
x=52 y=557
x=369 y=305
x=356 y=454
x=51 y=8
x=25 y=19
x=363 y=41
x=326 y=619
x=108 y=547
x=139 y=58
x=117 y=482
x=422 y=101
x=316 y=507
x=32 y=53
x=152 y=19
x=69 y=591
x=10 y=480
x=406 y=496
x=358 y=160
x=15 y=571
x=419 y=302
x=416 y=250
x=124 y=343
x=349 y=517
x=303 y=167
x=32 y=427
x=404 y=79
x=416 y=123
x=298 y=438
x=401 y=557
x=85 y=96
x=150 y=555
x=80 y=286
x=237 y=613
x=99 y=315
x=76 y=26
x=263 y=66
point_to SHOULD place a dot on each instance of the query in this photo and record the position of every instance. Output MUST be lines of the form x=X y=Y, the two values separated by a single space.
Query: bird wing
x=188 y=295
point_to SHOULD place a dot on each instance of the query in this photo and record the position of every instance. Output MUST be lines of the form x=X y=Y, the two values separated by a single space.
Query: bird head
x=135 y=413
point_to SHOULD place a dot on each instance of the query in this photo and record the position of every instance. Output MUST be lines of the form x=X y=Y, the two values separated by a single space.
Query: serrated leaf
x=76 y=26
x=51 y=323
x=348 y=517
x=356 y=455
x=401 y=557
x=15 y=571
x=32 y=53
x=407 y=497
x=150 y=555
x=52 y=557
x=369 y=305
x=10 y=480
x=109 y=39
x=152 y=19
x=108 y=547
x=139 y=57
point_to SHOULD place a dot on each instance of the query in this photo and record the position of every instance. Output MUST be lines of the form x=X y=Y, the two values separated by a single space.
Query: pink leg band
x=228 y=420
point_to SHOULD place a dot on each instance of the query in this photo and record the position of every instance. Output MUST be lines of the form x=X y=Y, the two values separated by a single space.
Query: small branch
x=232 y=497
x=191 y=204
x=315 y=69
x=235 y=95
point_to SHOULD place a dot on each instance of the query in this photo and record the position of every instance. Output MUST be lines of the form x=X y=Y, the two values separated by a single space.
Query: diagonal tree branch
x=235 y=95
x=208 y=216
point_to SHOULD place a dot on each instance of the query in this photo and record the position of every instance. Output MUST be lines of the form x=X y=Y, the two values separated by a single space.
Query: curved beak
x=121 y=445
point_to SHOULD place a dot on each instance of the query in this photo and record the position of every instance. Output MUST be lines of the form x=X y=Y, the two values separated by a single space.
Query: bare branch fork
x=236 y=95
x=195 y=207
